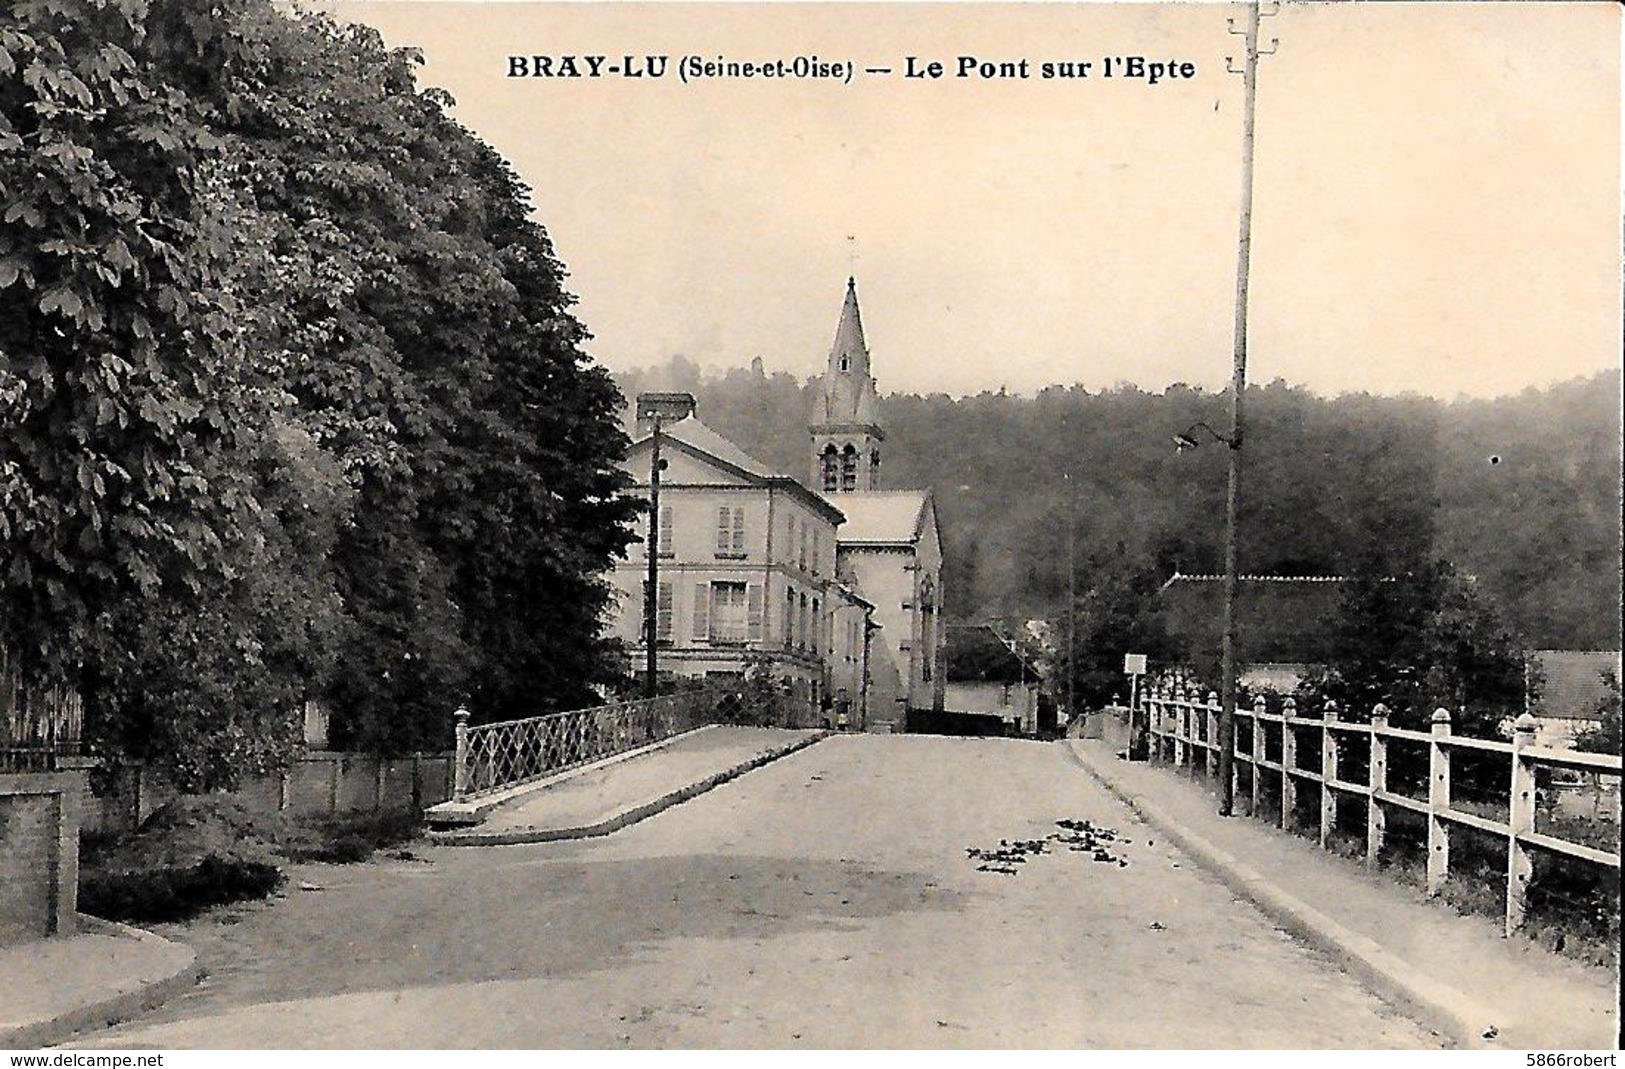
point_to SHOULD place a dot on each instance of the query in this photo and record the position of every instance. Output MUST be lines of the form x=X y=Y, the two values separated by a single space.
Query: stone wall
x=317 y=784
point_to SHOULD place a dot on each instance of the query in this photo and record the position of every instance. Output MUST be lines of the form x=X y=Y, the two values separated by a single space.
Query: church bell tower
x=845 y=423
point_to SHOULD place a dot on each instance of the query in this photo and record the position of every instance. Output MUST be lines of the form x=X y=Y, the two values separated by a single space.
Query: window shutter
x=753 y=613
x=702 y=612
x=789 y=618
x=665 y=529
x=634 y=611
x=663 y=614
x=739 y=530
x=723 y=528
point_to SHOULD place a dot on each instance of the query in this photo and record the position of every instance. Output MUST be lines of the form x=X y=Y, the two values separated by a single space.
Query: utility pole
x=651 y=589
x=1071 y=600
x=1238 y=389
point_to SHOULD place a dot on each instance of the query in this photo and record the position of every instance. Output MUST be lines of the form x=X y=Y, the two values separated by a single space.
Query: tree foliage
x=294 y=403
x=1334 y=486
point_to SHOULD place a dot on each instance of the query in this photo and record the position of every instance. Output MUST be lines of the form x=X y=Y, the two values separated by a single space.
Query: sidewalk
x=599 y=800
x=1455 y=973
x=51 y=988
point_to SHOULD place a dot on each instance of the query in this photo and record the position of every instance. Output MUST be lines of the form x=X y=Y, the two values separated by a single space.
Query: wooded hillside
x=1522 y=492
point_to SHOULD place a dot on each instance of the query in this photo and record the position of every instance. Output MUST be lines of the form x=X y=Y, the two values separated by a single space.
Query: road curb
x=472 y=813
x=625 y=817
x=150 y=993
x=1454 y=1015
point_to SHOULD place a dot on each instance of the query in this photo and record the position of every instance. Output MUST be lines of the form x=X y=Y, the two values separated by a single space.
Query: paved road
x=825 y=900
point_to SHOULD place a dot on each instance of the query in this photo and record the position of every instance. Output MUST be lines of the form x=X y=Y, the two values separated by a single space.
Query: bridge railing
x=1184 y=730
x=492 y=757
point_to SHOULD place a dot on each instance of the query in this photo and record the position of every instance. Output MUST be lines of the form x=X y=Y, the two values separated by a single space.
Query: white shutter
x=665 y=529
x=724 y=528
x=663 y=614
x=753 y=613
x=739 y=530
x=702 y=611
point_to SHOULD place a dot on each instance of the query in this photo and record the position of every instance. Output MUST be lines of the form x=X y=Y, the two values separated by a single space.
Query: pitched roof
x=691 y=431
x=1572 y=682
x=1279 y=619
x=697 y=436
x=881 y=517
x=976 y=654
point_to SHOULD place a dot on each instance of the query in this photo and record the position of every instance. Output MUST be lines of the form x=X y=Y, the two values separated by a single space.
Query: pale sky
x=1437 y=193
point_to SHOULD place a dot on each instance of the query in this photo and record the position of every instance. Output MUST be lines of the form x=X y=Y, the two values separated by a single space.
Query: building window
x=846 y=362
x=666 y=547
x=849 y=469
x=789 y=620
x=831 y=468
x=731 y=531
x=663 y=615
x=728 y=616
x=801 y=554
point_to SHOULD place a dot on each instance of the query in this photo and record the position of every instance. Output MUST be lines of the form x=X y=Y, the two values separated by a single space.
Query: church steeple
x=845 y=424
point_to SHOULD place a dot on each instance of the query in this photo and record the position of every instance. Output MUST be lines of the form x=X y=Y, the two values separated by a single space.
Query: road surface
x=826 y=900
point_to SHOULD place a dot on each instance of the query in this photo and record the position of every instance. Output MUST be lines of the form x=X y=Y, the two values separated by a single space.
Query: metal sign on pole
x=1134 y=668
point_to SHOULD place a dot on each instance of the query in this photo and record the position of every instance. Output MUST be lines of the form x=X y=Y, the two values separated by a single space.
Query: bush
x=351 y=838
x=176 y=893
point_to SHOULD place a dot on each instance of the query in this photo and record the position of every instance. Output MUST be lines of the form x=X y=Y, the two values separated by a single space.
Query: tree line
x=1507 y=507
x=292 y=401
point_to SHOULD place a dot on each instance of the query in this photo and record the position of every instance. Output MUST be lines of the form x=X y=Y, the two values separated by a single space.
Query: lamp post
x=651 y=589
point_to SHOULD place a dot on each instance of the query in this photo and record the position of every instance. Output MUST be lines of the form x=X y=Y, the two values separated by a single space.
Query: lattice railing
x=491 y=757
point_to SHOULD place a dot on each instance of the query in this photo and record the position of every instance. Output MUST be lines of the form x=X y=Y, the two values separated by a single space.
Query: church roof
x=849 y=331
x=848 y=392
x=881 y=517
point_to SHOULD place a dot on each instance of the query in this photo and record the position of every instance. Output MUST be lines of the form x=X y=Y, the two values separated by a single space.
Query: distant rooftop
x=1572 y=682
x=880 y=517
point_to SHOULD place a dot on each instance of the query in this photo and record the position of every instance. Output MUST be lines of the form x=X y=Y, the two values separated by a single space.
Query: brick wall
x=39 y=855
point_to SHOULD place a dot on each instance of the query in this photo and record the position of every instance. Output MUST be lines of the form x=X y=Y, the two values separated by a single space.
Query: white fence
x=1184 y=729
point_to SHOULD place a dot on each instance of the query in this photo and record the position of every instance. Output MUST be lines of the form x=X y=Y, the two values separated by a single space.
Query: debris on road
x=1078 y=836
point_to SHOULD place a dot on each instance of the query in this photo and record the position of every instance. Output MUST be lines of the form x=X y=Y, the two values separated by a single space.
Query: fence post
x=1181 y=726
x=1260 y=708
x=1160 y=712
x=459 y=767
x=1376 y=818
x=1521 y=819
x=1212 y=732
x=1438 y=803
x=1289 y=760
x=1328 y=772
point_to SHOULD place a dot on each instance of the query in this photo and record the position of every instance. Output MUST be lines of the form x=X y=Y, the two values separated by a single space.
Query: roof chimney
x=667 y=407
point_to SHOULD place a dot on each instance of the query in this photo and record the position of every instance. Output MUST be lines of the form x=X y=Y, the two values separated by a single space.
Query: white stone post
x=1182 y=733
x=1328 y=773
x=1289 y=760
x=1260 y=709
x=459 y=789
x=1212 y=711
x=1376 y=818
x=1438 y=803
x=1521 y=818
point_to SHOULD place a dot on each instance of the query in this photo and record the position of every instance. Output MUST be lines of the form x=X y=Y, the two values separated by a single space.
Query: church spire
x=845 y=425
x=848 y=352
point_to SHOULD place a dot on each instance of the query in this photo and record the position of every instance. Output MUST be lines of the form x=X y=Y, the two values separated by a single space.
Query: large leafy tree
x=294 y=402
x=1419 y=641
